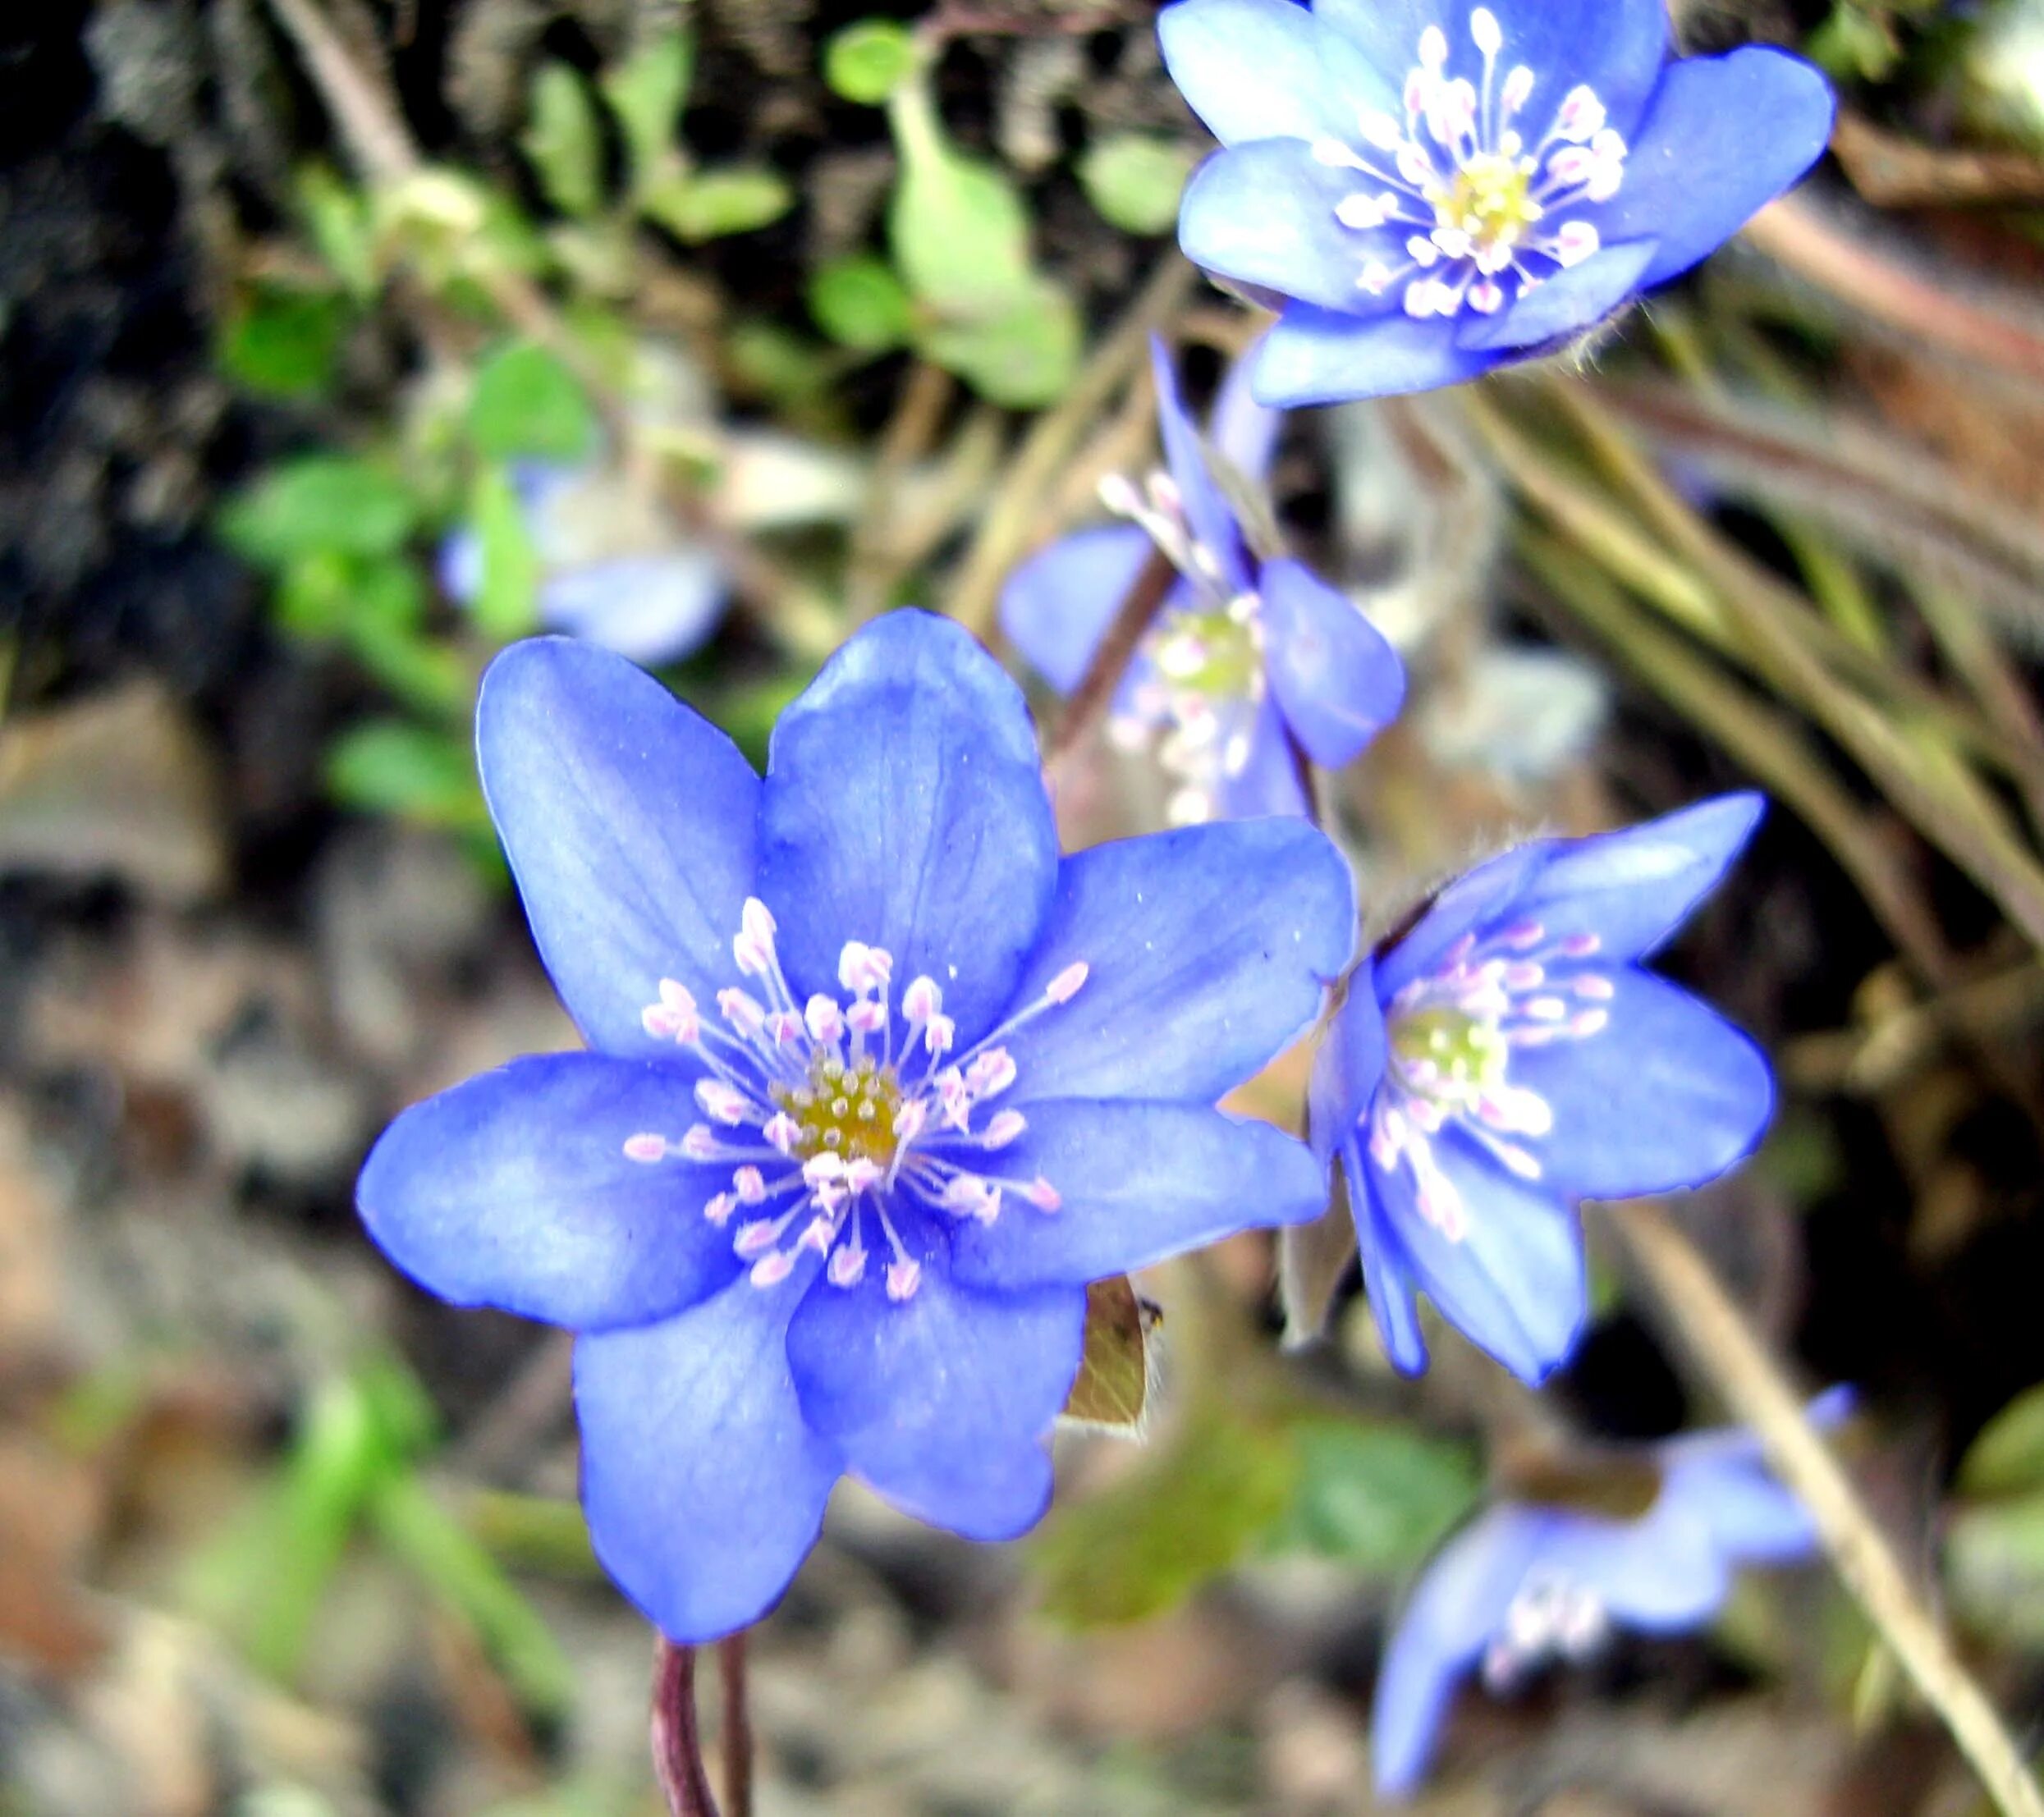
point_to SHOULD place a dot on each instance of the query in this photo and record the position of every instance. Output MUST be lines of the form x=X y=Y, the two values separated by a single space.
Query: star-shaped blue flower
x=878 y=1083
x=1510 y=1056
x=1430 y=188
x=1528 y=1582
x=614 y=568
x=1251 y=649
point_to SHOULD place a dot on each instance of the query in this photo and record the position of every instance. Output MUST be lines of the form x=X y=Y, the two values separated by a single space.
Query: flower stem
x=1752 y=1386
x=677 y=1743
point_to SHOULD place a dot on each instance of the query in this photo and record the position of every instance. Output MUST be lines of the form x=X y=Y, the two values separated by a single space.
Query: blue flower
x=1527 y=1582
x=1251 y=650
x=1430 y=188
x=615 y=568
x=878 y=1082
x=1510 y=1056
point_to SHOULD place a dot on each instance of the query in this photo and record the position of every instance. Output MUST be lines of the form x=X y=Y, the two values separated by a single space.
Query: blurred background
x=342 y=341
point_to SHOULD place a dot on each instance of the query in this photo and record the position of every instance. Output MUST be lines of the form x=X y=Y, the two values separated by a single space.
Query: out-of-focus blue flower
x=1251 y=650
x=615 y=568
x=878 y=1083
x=1525 y=1583
x=1429 y=188
x=1510 y=1056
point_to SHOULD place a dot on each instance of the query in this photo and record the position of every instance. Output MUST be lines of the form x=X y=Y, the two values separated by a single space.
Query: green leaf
x=319 y=502
x=708 y=204
x=959 y=233
x=1994 y=1569
x=506 y=606
x=1378 y=1497
x=859 y=303
x=1192 y=1509
x=281 y=343
x=767 y=360
x=342 y=227
x=867 y=60
x=421 y=774
x=564 y=141
x=1135 y=179
x=1023 y=358
x=329 y=593
x=527 y=403
x=2008 y=1456
x=645 y=91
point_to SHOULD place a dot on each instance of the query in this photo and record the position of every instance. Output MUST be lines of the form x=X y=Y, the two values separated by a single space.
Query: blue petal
x=1318 y=356
x=1139 y=1182
x=905 y=807
x=1347 y=1072
x=1667 y=1096
x=1243 y=432
x=629 y=821
x=1660 y=1574
x=1336 y=679
x=1514 y=1284
x=1208 y=515
x=459 y=566
x=942 y=1402
x=1263 y=213
x=1263 y=69
x=649 y=608
x=1722 y=137
x=513 y=1190
x=1617 y=46
x=1268 y=782
x=1456 y=1607
x=1209 y=949
x=1751 y=1518
x=704 y=1487
x=1567 y=304
x=1056 y=607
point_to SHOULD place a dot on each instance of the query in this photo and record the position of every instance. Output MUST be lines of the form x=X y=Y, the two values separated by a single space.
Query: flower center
x=1451 y=1035
x=1458 y=209
x=1551 y=1616
x=845 y=1108
x=844 y=1118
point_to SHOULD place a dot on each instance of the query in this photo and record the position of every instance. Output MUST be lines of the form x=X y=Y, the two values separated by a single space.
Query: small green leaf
x=1135 y=179
x=767 y=360
x=1023 y=358
x=708 y=204
x=1189 y=1512
x=527 y=403
x=393 y=766
x=867 y=61
x=281 y=343
x=1377 y=1496
x=2008 y=1456
x=859 y=303
x=329 y=593
x=1994 y=1569
x=319 y=502
x=507 y=604
x=958 y=229
x=564 y=141
x=645 y=91
x=342 y=227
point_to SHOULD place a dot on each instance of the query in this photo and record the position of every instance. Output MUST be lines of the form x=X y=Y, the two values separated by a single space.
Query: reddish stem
x=677 y=1743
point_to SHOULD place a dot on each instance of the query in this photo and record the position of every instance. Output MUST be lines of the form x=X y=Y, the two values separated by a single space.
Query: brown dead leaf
x=1113 y=1384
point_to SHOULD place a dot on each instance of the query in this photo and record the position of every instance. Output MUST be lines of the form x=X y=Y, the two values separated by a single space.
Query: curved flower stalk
x=1525 y=1582
x=616 y=567
x=878 y=1084
x=1510 y=1056
x=1428 y=189
x=1250 y=651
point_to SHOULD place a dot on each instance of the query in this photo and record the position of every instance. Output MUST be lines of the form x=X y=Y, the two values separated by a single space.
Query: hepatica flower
x=877 y=1083
x=1527 y=1583
x=1250 y=651
x=1509 y=1056
x=615 y=567
x=1430 y=188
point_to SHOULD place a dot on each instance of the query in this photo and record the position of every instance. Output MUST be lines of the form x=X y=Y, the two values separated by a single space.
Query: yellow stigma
x=1464 y=1053
x=845 y=1108
x=1488 y=200
x=1208 y=653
